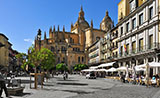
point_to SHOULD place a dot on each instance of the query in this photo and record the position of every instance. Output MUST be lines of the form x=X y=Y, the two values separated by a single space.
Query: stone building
x=71 y=47
x=4 y=51
x=138 y=33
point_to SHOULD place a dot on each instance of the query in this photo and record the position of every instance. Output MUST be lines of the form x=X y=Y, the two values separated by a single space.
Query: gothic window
x=52 y=48
x=78 y=59
x=82 y=59
x=97 y=38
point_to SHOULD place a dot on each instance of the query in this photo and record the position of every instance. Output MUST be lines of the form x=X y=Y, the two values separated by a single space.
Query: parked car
x=90 y=76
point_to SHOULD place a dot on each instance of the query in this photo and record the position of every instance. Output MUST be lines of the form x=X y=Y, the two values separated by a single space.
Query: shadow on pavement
x=81 y=84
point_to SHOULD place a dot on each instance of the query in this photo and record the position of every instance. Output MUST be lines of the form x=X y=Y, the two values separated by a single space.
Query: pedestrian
x=3 y=86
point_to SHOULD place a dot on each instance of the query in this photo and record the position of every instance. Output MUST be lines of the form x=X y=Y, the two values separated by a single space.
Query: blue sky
x=20 y=19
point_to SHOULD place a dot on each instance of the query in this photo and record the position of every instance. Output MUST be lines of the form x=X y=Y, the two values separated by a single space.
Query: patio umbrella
x=111 y=70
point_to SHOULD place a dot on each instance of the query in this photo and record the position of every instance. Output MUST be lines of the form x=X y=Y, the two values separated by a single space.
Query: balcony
x=140 y=50
x=95 y=48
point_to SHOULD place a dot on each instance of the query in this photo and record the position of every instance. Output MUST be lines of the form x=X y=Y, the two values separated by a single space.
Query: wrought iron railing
x=140 y=50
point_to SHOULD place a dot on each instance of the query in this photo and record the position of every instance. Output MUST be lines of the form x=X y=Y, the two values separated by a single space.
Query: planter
x=15 y=91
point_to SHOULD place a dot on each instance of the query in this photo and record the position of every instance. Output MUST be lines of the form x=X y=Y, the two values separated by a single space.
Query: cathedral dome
x=81 y=20
x=106 y=18
x=106 y=23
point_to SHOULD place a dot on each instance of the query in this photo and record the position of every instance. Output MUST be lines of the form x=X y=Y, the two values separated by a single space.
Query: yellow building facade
x=4 y=51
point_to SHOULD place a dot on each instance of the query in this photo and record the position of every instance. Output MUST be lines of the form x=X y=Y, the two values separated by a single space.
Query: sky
x=21 y=19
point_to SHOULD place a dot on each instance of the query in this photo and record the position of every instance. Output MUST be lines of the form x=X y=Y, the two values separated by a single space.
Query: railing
x=95 y=48
x=140 y=50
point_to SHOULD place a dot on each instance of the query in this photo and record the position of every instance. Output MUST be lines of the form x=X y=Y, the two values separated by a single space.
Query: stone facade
x=4 y=51
x=71 y=47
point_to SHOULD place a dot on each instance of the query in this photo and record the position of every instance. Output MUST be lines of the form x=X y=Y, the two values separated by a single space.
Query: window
x=141 y=44
x=127 y=27
x=134 y=23
x=97 y=38
x=150 y=41
x=150 y=12
x=127 y=48
x=141 y=19
x=82 y=59
x=121 y=30
x=121 y=51
x=79 y=59
x=52 y=48
x=134 y=47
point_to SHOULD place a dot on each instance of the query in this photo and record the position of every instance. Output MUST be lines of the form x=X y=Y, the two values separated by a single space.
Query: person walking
x=3 y=86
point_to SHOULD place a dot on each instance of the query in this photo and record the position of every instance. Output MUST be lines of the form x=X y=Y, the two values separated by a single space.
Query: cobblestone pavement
x=79 y=87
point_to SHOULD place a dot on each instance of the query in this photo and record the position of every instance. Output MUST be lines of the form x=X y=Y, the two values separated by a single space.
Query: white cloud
x=29 y=40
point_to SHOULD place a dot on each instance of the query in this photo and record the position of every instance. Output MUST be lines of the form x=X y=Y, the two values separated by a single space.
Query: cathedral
x=71 y=47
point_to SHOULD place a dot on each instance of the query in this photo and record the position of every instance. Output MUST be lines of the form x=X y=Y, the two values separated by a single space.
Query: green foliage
x=43 y=58
x=79 y=67
x=47 y=59
x=61 y=67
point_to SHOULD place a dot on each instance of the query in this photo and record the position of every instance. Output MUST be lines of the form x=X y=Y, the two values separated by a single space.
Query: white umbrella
x=137 y=68
x=123 y=68
x=94 y=67
x=88 y=70
x=154 y=64
x=102 y=70
x=106 y=64
x=111 y=70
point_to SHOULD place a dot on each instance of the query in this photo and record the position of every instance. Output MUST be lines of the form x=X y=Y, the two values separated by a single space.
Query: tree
x=79 y=67
x=21 y=58
x=61 y=67
x=47 y=59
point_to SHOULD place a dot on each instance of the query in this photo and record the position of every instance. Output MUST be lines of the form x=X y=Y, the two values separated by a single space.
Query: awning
x=137 y=68
x=94 y=67
x=123 y=68
x=106 y=64
x=112 y=70
x=154 y=64
x=151 y=65
x=101 y=70
x=88 y=70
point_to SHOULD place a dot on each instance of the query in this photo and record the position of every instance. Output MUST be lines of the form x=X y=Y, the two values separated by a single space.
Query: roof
x=4 y=36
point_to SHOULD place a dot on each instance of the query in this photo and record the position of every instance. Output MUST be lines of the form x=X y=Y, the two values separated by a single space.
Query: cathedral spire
x=91 y=23
x=54 y=29
x=81 y=14
x=71 y=25
x=63 y=28
x=45 y=37
x=106 y=12
x=58 y=28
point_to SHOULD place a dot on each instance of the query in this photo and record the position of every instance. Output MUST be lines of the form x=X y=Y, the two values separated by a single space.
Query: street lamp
x=39 y=38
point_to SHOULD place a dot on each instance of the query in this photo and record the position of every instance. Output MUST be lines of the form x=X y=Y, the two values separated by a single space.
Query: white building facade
x=139 y=35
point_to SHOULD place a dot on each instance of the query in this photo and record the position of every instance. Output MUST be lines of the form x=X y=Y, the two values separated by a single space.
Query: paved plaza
x=80 y=87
